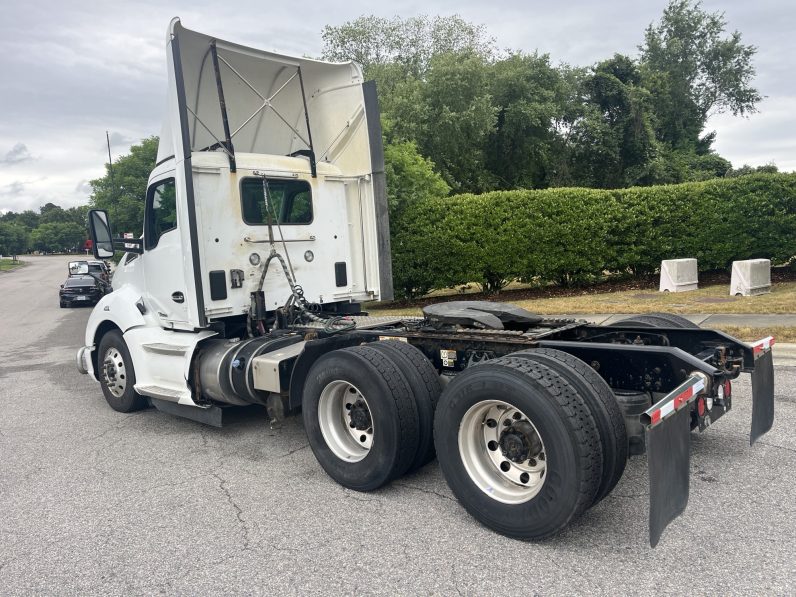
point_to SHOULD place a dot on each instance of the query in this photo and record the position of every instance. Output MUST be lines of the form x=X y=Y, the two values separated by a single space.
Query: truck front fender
x=114 y=310
x=118 y=308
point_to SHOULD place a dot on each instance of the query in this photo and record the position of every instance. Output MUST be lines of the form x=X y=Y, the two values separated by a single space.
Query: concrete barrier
x=678 y=275
x=750 y=277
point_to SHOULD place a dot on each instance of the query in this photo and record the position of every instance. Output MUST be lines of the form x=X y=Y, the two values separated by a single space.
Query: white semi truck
x=266 y=228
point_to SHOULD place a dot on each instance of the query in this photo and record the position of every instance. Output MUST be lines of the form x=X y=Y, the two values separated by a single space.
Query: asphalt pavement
x=97 y=502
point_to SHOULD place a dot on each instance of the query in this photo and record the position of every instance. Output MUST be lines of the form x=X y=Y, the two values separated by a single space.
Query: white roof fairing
x=263 y=98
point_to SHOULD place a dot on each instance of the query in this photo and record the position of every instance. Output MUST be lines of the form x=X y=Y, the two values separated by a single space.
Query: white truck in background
x=266 y=228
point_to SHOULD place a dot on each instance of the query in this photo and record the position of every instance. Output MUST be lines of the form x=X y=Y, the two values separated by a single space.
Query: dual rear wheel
x=368 y=412
x=526 y=442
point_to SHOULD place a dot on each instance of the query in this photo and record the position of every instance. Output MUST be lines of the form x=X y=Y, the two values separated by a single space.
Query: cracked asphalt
x=96 y=502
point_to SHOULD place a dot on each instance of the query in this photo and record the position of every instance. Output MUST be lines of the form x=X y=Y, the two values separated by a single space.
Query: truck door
x=163 y=254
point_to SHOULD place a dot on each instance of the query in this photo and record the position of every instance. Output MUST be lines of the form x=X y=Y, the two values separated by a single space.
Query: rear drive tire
x=424 y=382
x=657 y=320
x=603 y=407
x=534 y=412
x=360 y=417
x=117 y=374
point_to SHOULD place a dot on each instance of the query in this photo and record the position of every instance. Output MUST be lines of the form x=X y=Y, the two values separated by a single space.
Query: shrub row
x=571 y=235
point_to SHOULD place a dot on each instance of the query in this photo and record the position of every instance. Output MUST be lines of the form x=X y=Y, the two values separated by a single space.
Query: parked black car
x=80 y=290
x=100 y=269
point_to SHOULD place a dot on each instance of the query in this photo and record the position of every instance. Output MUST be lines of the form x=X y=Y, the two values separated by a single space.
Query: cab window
x=290 y=201
x=161 y=211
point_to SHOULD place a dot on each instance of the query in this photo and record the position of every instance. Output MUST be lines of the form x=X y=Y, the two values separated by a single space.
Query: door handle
x=178 y=297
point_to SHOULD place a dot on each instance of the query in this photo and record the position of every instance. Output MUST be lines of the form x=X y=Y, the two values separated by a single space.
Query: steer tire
x=656 y=320
x=426 y=387
x=603 y=407
x=371 y=377
x=563 y=421
x=118 y=383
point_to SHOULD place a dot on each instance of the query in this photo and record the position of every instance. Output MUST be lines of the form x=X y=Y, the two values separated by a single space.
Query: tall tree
x=410 y=43
x=50 y=213
x=612 y=142
x=459 y=115
x=694 y=71
x=58 y=236
x=28 y=218
x=530 y=97
x=124 y=195
x=13 y=238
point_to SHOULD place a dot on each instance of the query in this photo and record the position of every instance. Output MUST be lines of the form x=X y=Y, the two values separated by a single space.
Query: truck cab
x=268 y=191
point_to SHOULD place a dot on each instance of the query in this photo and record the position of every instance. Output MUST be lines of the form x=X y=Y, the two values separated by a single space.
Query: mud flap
x=762 y=396
x=668 y=437
x=669 y=464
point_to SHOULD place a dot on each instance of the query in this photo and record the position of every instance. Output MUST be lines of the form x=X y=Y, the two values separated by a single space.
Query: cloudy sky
x=70 y=70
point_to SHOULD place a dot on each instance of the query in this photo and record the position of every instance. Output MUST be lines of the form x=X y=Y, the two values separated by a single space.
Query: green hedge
x=574 y=234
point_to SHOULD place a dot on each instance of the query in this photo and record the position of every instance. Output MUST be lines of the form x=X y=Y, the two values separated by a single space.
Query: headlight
x=309 y=256
x=254 y=259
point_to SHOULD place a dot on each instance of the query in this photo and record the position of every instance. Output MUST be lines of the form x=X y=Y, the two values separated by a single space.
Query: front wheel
x=518 y=447
x=117 y=375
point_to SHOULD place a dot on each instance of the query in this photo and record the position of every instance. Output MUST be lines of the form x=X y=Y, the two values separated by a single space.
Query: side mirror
x=101 y=237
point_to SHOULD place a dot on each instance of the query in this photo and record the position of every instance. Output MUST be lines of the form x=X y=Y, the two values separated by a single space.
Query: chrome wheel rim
x=345 y=421
x=502 y=452
x=114 y=372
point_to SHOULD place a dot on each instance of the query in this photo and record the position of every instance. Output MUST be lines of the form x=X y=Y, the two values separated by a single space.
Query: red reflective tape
x=683 y=397
x=761 y=345
x=656 y=416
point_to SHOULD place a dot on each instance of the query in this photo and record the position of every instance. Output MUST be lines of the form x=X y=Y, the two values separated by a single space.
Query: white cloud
x=13 y=189
x=17 y=154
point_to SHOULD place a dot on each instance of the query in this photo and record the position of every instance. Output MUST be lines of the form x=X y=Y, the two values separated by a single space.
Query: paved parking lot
x=97 y=502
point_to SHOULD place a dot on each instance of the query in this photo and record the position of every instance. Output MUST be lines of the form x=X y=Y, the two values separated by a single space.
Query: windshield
x=78 y=267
